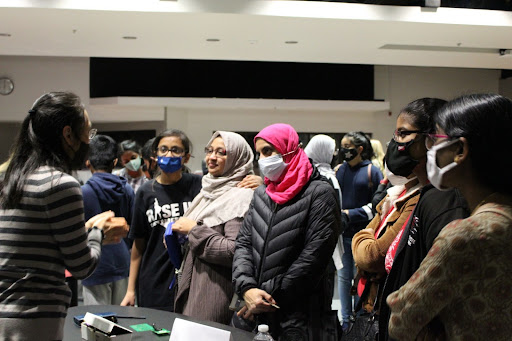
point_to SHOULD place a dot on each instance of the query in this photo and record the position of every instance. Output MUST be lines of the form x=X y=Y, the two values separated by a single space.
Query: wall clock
x=6 y=86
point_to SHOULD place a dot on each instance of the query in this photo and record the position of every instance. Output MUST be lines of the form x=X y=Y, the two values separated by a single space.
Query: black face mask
x=80 y=156
x=398 y=159
x=150 y=169
x=348 y=154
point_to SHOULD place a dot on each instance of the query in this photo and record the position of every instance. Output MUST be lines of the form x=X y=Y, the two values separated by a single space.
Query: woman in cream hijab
x=212 y=223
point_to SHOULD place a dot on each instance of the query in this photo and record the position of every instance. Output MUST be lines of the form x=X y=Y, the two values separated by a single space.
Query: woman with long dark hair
x=406 y=170
x=42 y=219
x=461 y=290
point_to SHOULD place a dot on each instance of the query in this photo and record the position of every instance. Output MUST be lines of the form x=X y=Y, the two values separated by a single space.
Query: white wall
x=397 y=85
x=34 y=76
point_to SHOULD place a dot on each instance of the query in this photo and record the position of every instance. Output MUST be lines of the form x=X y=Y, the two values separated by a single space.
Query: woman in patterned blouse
x=462 y=289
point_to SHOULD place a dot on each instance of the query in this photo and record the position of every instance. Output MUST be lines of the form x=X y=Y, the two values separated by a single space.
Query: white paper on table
x=183 y=330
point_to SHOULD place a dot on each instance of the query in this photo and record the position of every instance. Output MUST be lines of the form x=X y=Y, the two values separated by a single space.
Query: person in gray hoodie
x=105 y=191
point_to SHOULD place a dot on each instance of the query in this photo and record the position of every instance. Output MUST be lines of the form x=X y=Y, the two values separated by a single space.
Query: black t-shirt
x=434 y=210
x=155 y=206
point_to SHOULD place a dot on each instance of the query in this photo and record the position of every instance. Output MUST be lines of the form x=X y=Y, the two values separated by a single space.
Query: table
x=162 y=319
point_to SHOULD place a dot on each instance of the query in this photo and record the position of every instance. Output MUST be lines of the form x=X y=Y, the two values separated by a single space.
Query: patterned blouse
x=134 y=182
x=464 y=283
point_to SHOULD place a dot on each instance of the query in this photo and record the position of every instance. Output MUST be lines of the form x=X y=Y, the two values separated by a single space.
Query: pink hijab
x=285 y=140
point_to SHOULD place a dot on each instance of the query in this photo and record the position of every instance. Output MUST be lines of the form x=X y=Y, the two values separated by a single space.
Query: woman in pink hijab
x=286 y=242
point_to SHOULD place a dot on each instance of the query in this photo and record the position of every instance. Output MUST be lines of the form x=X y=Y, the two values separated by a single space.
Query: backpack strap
x=370 y=183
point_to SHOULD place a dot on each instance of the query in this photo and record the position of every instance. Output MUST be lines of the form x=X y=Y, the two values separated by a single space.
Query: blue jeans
x=345 y=278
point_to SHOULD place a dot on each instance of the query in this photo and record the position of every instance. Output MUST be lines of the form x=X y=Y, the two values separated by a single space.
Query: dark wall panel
x=229 y=79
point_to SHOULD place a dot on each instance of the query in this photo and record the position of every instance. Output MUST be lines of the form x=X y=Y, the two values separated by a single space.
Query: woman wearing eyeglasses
x=158 y=202
x=464 y=281
x=413 y=234
x=42 y=220
x=212 y=223
x=406 y=157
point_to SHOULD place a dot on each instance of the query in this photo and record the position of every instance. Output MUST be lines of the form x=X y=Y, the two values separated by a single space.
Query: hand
x=251 y=182
x=183 y=225
x=99 y=220
x=245 y=314
x=129 y=299
x=257 y=301
x=115 y=229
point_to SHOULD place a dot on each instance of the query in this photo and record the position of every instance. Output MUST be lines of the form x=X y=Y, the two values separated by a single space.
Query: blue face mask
x=169 y=164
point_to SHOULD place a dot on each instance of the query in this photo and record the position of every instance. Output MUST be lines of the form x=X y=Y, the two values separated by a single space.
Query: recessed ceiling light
x=5 y=34
x=213 y=40
x=130 y=37
x=291 y=42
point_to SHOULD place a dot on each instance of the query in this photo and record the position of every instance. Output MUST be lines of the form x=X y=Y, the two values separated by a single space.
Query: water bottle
x=263 y=334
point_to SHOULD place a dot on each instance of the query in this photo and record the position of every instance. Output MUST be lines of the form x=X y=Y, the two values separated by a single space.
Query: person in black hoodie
x=286 y=243
x=102 y=192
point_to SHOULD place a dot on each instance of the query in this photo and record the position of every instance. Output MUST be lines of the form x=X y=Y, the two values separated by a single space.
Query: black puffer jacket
x=285 y=250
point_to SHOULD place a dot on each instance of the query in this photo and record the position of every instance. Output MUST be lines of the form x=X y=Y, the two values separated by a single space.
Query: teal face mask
x=134 y=165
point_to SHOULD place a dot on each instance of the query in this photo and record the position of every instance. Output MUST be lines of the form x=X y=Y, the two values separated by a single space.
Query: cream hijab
x=220 y=200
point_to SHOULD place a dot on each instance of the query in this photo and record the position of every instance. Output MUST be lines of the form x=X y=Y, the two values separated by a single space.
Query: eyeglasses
x=92 y=133
x=175 y=151
x=432 y=139
x=218 y=152
x=402 y=134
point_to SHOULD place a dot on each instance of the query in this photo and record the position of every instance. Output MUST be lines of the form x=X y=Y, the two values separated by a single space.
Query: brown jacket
x=370 y=253
x=205 y=288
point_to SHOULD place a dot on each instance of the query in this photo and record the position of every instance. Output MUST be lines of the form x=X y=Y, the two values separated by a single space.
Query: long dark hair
x=39 y=142
x=421 y=112
x=358 y=138
x=485 y=121
x=179 y=134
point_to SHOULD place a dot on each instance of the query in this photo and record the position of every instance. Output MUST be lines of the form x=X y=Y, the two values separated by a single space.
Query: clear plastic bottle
x=263 y=334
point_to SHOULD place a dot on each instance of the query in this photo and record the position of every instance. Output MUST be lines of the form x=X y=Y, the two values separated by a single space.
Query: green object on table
x=162 y=331
x=143 y=327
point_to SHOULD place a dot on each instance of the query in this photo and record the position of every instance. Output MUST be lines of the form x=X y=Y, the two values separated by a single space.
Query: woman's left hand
x=183 y=225
x=251 y=182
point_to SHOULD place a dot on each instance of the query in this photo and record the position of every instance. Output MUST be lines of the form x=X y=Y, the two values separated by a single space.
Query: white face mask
x=134 y=164
x=435 y=174
x=272 y=167
x=396 y=180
